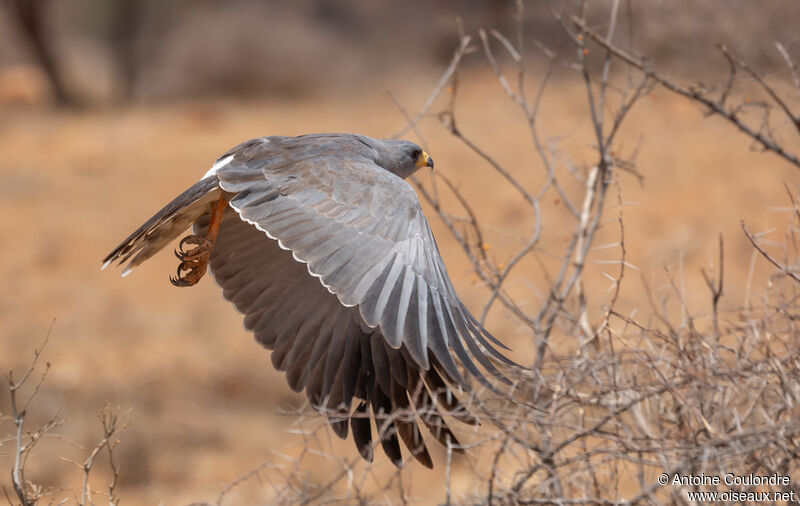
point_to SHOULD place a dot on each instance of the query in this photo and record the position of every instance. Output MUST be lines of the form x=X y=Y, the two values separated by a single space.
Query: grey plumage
x=325 y=250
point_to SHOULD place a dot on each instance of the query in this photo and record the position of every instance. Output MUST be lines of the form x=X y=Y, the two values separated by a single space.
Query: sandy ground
x=203 y=402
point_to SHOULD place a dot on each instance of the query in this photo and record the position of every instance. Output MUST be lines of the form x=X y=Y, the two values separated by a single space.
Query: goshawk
x=322 y=245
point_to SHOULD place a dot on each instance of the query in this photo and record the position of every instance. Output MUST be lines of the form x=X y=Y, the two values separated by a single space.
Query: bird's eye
x=416 y=154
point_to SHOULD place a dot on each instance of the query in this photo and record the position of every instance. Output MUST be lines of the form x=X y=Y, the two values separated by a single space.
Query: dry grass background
x=202 y=400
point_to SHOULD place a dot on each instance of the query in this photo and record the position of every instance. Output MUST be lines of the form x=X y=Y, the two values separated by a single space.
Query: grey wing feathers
x=380 y=257
x=325 y=348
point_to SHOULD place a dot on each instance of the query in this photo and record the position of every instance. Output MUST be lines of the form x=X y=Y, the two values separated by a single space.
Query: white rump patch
x=214 y=168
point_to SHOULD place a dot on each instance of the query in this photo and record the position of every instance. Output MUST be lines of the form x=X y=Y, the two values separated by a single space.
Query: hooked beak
x=425 y=161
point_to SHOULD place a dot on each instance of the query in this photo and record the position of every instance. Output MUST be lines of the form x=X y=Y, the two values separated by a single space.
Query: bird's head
x=402 y=158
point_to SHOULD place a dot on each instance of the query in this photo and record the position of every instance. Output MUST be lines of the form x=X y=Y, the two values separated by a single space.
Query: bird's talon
x=184 y=241
x=202 y=246
x=189 y=272
x=177 y=281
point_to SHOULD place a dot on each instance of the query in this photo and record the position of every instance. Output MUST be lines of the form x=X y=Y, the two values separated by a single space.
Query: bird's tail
x=166 y=225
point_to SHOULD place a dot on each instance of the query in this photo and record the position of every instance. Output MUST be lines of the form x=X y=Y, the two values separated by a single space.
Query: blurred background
x=110 y=108
x=114 y=51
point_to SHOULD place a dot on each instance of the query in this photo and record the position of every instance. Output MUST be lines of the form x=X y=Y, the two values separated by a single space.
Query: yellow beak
x=424 y=160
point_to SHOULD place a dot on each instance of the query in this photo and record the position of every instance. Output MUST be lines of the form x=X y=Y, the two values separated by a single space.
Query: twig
x=791 y=64
x=440 y=85
x=22 y=450
x=692 y=94
x=783 y=268
x=241 y=479
x=110 y=421
x=795 y=119
x=716 y=287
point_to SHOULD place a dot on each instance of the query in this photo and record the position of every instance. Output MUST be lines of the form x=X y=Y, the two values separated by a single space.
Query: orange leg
x=194 y=262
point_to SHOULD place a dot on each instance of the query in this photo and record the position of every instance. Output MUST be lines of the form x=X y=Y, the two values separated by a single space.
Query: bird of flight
x=322 y=245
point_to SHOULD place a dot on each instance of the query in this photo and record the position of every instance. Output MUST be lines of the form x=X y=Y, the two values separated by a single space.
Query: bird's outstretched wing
x=335 y=268
x=361 y=230
x=378 y=316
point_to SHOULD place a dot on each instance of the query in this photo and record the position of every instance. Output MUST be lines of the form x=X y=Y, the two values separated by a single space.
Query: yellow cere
x=422 y=161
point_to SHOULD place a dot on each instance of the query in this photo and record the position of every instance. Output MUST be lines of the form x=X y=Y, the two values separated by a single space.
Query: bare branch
x=795 y=119
x=440 y=86
x=783 y=268
x=692 y=94
x=791 y=64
